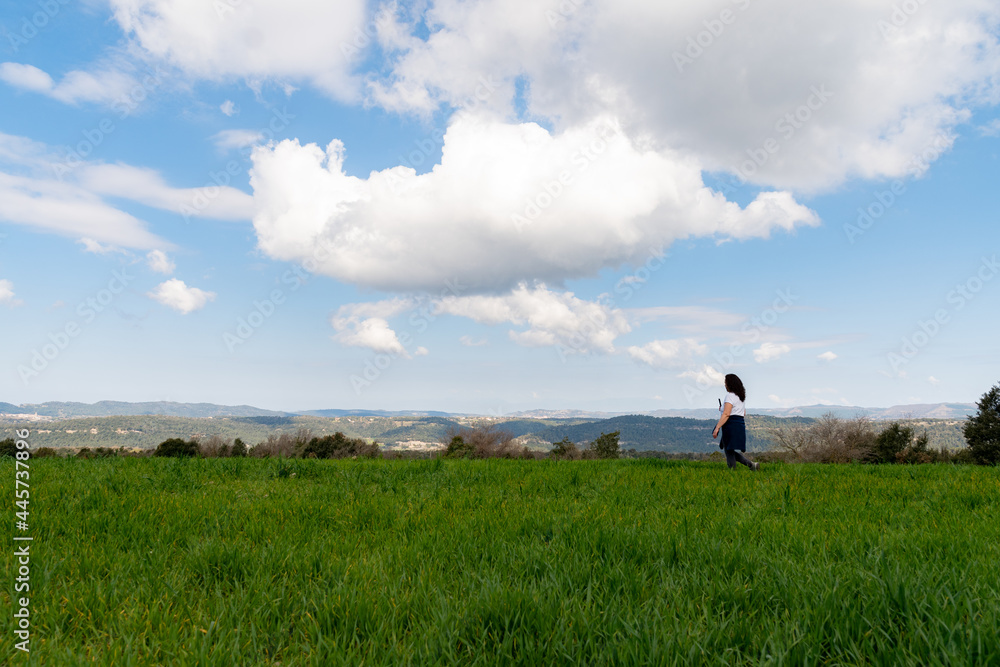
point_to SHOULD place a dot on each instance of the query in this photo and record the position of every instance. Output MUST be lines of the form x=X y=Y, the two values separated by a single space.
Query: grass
x=306 y=562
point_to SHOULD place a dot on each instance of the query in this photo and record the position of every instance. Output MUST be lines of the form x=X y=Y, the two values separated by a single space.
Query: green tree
x=8 y=448
x=606 y=446
x=239 y=448
x=982 y=430
x=564 y=449
x=175 y=447
x=890 y=442
x=458 y=448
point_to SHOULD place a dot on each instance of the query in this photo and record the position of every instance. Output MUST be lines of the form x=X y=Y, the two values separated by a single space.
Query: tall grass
x=496 y=562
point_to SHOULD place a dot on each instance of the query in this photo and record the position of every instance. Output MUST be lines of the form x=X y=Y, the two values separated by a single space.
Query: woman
x=732 y=425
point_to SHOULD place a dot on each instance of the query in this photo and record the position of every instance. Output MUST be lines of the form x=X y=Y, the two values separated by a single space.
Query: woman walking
x=732 y=424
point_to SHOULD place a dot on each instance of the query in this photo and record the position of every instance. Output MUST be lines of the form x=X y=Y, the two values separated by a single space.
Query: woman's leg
x=739 y=457
x=730 y=459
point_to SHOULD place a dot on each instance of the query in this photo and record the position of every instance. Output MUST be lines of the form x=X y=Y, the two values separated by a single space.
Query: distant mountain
x=59 y=410
x=915 y=411
x=375 y=413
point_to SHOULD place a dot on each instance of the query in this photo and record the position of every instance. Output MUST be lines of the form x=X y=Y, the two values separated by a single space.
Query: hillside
x=61 y=410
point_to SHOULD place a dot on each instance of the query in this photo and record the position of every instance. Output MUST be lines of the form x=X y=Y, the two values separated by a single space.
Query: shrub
x=214 y=447
x=175 y=447
x=828 y=440
x=239 y=448
x=890 y=443
x=458 y=448
x=982 y=430
x=339 y=446
x=8 y=448
x=282 y=444
x=44 y=453
x=482 y=442
x=564 y=449
x=606 y=446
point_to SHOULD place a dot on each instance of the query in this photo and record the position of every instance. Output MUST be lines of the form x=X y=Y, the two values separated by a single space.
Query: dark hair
x=735 y=385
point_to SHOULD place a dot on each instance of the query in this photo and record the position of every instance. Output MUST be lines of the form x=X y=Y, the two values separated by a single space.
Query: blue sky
x=531 y=204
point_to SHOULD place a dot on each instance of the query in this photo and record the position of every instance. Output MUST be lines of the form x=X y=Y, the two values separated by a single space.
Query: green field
x=496 y=562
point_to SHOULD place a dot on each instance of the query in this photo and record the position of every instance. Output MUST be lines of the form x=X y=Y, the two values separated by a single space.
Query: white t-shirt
x=739 y=410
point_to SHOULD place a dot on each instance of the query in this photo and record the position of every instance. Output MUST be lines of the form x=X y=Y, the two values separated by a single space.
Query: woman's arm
x=726 y=409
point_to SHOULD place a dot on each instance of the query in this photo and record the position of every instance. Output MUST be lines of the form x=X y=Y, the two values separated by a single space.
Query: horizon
x=491 y=206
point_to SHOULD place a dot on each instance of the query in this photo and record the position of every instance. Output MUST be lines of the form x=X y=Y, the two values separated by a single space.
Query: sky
x=489 y=206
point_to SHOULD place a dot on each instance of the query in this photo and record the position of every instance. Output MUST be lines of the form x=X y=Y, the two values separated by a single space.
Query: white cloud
x=827 y=356
x=175 y=294
x=668 y=353
x=74 y=204
x=400 y=231
x=66 y=209
x=90 y=245
x=469 y=341
x=770 y=351
x=891 y=95
x=158 y=261
x=706 y=376
x=7 y=294
x=560 y=319
x=230 y=139
x=366 y=325
x=101 y=87
x=933 y=380
x=228 y=108
x=375 y=334
x=293 y=39
x=148 y=187
x=990 y=129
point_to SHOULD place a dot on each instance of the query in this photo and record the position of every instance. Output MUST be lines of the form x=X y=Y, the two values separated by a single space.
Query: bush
x=8 y=448
x=175 y=447
x=283 y=444
x=339 y=446
x=890 y=443
x=828 y=440
x=239 y=448
x=564 y=449
x=44 y=453
x=482 y=442
x=982 y=430
x=606 y=446
x=458 y=448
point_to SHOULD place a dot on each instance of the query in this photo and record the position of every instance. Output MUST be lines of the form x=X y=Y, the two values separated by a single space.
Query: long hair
x=735 y=385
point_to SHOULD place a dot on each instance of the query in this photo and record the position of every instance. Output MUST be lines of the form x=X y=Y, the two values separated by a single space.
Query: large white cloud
x=255 y=39
x=896 y=80
x=509 y=202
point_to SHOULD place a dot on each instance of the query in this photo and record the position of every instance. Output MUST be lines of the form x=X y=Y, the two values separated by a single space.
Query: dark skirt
x=734 y=434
